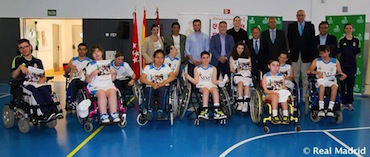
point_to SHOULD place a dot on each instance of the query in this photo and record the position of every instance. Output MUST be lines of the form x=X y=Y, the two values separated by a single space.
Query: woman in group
x=151 y=44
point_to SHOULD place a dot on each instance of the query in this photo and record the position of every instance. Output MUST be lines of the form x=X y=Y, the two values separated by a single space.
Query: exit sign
x=52 y=12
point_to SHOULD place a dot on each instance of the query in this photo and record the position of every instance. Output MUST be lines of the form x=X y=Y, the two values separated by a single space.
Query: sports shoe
x=245 y=107
x=321 y=113
x=203 y=114
x=350 y=107
x=49 y=117
x=240 y=106
x=159 y=114
x=149 y=115
x=275 y=120
x=330 y=113
x=104 y=118
x=219 y=114
x=59 y=115
x=344 y=106
x=115 y=117
x=285 y=120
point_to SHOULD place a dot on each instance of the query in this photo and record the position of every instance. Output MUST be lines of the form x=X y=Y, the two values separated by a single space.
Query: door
x=56 y=47
x=76 y=38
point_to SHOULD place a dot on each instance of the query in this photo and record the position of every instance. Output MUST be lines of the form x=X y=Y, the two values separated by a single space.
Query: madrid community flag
x=135 y=49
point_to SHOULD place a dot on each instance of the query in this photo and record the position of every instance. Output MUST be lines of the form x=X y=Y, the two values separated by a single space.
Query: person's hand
x=113 y=72
x=196 y=63
x=23 y=69
x=155 y=86
x=319 y=75
x=94 y=73
x=343 y=76
x=131 y=83
x=222 y=59
x=74 y=68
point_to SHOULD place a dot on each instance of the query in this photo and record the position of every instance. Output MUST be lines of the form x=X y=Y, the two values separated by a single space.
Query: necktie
x=273 y=36
x=256 y=47
x=300 y=29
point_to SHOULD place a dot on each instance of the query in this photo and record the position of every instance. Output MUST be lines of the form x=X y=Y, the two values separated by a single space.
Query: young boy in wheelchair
x=156 y=77
x=240 y=66
x=125 y=77
x=21 y=69
x=100 y=83
x=273 y=83
x=75 y=72
x=205 y=79
x=325 y=68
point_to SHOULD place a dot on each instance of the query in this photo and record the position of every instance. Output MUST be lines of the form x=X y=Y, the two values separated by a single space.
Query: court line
x=340 y=142
x=83 y=143
x=3 y=96
x=227 y=151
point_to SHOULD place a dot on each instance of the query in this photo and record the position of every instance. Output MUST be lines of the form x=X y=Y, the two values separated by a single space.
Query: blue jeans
x=162 y=94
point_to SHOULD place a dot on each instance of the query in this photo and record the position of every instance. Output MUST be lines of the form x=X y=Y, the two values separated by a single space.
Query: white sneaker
x=115 y=117
x=240 y=106
x=104 y=118
x=245 y=107
x=321 y=113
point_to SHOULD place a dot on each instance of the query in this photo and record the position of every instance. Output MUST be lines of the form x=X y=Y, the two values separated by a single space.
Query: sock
x=240 y=98
x=285 y=113
x=216 y=104
x=321 y=105
x=274 y=113
x=331 y=105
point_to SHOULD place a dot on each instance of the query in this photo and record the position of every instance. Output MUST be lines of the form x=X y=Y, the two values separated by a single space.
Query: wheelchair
x=234 y=93
x=171 y=106
x=93 y=113
x=313 y=100
x=24 y=108
x=69 y=105
x=129 y=93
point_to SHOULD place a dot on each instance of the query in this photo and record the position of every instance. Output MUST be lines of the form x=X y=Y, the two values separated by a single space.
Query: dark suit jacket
x=168 y=40
x=215 y=47
x=299 y=43
x=258 y=60
x=330 y=40
x=273 y=49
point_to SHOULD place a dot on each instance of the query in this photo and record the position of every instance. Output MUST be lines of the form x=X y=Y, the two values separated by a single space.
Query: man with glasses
x=300 y=35
x=75 y=73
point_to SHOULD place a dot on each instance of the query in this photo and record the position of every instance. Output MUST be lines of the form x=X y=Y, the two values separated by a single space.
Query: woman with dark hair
x=152 y=43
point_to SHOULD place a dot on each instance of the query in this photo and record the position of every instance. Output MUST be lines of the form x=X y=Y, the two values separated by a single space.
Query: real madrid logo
x=319 y=67
x=354 y=44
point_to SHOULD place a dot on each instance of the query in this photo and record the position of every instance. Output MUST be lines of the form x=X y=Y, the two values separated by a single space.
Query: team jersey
x=157 y=75
x=205 y=74
x=242 y=66
x=80 y=64
x=173 y=64
x=103 y=78
x=285 y=69
x=123 y=70
x=328 y=69
x=274 y=82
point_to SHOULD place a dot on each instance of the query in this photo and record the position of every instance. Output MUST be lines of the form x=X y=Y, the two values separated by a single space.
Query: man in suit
x=178 y=40
x=324 y=39
x=238 y=33
x=300 y=35
x=275 y=40
x=257 y=50
x=220 y=48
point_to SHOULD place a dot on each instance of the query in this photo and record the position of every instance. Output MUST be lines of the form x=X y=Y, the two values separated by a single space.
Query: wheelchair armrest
x=48 y=78
x=16 y=81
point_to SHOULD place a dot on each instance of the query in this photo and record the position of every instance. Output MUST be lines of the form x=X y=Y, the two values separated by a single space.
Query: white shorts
x=325 y=83
x=283 y=95
x=247 y=81
x=205 y=85
x=93 y=90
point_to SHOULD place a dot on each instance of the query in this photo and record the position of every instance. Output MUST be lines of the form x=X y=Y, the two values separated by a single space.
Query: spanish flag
x=143 y=36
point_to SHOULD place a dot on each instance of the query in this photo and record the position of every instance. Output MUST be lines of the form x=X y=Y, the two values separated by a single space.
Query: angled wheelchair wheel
x=24 y=125
x=52 y=123
x=314 y=117
x=265 y=129
x=136 y=88
x=81 y=95
x=8 y=117
x=227 y=106
x=88 y=127
x=185 y=98
x=141 y=120
x=338 y=117
x=171 y=118
x=256 y=110
x=175 y=109
x=307 y=106
x=122 y=124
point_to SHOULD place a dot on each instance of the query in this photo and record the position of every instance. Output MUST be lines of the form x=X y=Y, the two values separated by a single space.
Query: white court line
x=3 y=96
x=340 y=142
x=227 y=151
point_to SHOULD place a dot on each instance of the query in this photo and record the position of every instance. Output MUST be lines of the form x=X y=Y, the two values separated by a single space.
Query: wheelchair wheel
x=136 y=90
x=314 y=117
x=171 y=118
x=122 y=124
x=81 y=95
x=265 y=129
x=24 y=125
x=307 y=106
x=297 y=128
x=8 y=117
x=79 y=119
x=52 y=123
x=175 y=102
x=338 y=117
x=225 y=99
x=88 y=127
x=256 y=110
x=185 y=97
x=141 y=120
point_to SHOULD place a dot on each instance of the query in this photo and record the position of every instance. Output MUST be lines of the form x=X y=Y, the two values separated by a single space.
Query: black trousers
x=223 y=68
x=346 y=86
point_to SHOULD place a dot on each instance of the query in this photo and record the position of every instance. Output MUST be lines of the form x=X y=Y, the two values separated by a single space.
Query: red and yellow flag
x=135 y=53
x=143 y=36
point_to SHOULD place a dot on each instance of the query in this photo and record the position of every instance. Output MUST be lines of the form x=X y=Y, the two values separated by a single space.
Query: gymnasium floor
x=239 y=137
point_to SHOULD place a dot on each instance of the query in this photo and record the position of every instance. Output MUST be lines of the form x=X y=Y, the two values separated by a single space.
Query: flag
x=158 y=22
x=135 y=54
x=143 y=36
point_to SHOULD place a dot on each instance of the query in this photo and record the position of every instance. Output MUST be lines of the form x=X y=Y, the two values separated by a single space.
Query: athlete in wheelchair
x=206 y=83
x=74 y=74
x=323 y=71
x=273 y=84
x=157 y=78
x=100 y=95
x=33 y=100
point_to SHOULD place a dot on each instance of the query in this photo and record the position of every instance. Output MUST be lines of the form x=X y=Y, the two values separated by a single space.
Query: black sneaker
x=59 y=115
x=49 y=117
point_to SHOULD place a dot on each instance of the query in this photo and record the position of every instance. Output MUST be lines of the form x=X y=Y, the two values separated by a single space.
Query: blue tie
x=256 y=47
x=272 y=36
x=300 y=29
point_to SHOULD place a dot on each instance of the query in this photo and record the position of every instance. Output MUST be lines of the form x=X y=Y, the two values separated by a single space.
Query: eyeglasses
x=21 y=48
x=82 y=49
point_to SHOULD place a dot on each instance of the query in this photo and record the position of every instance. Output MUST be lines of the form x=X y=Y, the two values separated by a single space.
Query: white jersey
x=123 y=70
x=285 y=69
x=103 y=78
x=173 y=64
x=242 y=66
x=274 y=82
x=157 y=75
x=80 y=64
x=328 y=69
x=205 y=74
